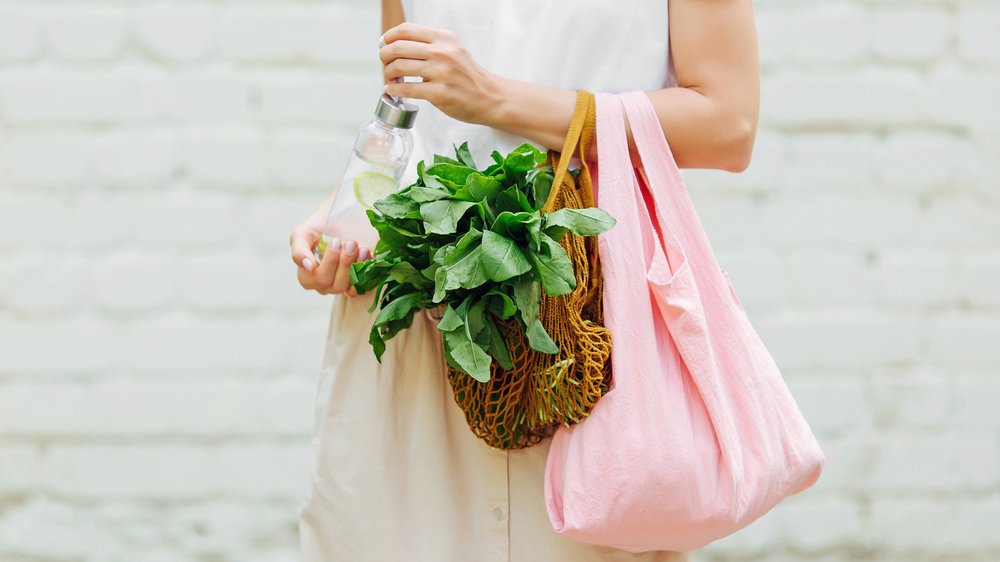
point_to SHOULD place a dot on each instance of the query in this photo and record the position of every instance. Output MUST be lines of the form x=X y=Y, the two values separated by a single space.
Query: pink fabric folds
x=699 y=435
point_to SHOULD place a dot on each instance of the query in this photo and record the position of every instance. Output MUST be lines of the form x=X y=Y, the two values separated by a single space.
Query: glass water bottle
x=381 y=153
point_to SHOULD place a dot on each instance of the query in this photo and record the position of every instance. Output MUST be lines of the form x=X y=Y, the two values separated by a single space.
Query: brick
x=933 y=526
x=51 y=284
x=912 y=34
x=813 y=524
x=758 y=538
x=221 y=283
x=19 y=467
x=920 y=162
x=947 y=463
x=83 y=97
x=77 y=346
x=20 y=37
x=129 y=284
x=825 y=34
x=758 y=277
x=143 y=221
x=248 y=345
x=27 y=157
x=137 y=159
x=841 y=220
x=285 y=294
x=269 y=220
x=156 y=29
x=833 y=162
x=313 y=163
x=832 y=404
x=921 y=401
x=177 y=472
x=734 y=221
x=287 y=98
x=846 y=338
x=68 y=410
x=861 y=99
x=19 y=221
x=849 y=462
x=828 y=278
x=356 y=38
x=210 y=97
x=236 y=160
x=85 y=34
x=964 y=340
x=964 y=98
x=976 y=402
x=263 y=36
x=980 y=280
x=957 y=220
x=152 y=533
x=916 y=278
x=28 y=531
x=977 y=37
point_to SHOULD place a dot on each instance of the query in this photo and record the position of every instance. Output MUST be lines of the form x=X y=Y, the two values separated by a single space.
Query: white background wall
x=158 y=359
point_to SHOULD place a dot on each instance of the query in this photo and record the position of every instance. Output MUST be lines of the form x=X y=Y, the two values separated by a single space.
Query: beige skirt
x=399 y=475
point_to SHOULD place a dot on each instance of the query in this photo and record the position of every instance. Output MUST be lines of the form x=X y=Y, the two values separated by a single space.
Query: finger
x=406 y=67
x=352 y=292
x=413 y=32
x=306 y=280
x=416 y=90
x=404 y=49
x=348 y=255
x=302 y=242
x=327 y=270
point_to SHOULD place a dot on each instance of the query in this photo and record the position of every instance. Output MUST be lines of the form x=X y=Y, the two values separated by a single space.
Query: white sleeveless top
x=398 y=473
x=597 y=45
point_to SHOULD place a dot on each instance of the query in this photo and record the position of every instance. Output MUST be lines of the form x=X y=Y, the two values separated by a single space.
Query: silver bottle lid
x=396 y=112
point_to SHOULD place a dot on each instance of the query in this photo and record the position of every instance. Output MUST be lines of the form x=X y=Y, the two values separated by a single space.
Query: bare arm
x=392 y=14
x=710 y=117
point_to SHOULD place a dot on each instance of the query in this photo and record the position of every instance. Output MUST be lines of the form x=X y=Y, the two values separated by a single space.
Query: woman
x=399 y=475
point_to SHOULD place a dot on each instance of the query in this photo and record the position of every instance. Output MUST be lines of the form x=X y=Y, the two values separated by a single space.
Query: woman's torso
x=597 y=45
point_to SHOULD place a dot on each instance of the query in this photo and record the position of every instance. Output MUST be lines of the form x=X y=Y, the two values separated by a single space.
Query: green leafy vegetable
x=477 y=242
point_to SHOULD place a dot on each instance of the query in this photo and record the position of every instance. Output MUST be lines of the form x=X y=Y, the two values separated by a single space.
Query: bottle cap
x=396 y=112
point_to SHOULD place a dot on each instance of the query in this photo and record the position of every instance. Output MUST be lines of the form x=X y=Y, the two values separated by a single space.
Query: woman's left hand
x=452 y=80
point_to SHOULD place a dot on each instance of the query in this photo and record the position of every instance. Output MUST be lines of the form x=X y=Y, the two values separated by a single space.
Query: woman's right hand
x=332 y=276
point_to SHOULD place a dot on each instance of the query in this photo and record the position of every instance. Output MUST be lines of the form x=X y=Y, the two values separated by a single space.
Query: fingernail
x=307 y=264
x=385 y=89
x=334 y=245
x=381 y=41
x=350 y=246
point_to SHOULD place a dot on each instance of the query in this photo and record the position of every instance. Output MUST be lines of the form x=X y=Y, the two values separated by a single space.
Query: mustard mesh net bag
x=516 y=408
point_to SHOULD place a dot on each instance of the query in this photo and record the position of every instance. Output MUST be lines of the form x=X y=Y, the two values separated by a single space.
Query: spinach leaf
x=583 y=222
x=464 y=156
x=527 y=295
x=441 y=217
x=553 y=265
x=502 y=258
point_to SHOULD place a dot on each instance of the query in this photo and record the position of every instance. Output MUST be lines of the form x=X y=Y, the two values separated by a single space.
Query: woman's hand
x=452 y=80
x=332 y=276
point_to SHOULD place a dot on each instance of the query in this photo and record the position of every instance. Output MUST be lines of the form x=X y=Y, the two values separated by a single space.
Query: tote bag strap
x=578 y=139
x=674 y=209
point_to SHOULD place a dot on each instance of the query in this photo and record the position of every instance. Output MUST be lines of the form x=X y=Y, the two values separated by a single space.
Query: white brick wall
x=158 y=360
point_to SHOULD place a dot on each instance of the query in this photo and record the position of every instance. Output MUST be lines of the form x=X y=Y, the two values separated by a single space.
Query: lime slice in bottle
x=321 y=246
x=369 y=187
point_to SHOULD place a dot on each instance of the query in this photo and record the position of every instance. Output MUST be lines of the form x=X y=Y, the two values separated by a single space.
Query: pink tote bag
x=698 y=435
